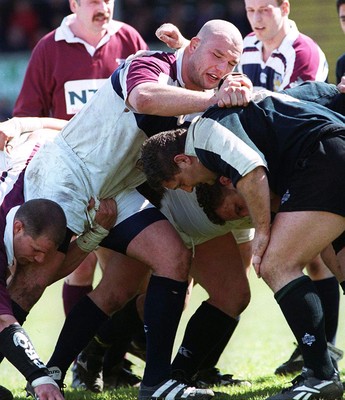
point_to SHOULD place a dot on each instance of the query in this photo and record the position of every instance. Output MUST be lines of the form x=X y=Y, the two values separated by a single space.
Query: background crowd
x=24 y=22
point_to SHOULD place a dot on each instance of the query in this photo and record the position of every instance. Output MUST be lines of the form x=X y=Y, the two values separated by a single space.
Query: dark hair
x=157 y=156
x=42 y=217
x=339 y=3
x=210 y=197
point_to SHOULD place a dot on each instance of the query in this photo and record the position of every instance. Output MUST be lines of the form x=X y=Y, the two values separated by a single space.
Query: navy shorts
x=318 y=180
x=122 y=234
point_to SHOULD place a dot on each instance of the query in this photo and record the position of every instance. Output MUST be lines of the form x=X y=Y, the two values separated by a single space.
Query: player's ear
x=225 y=181
x=194 y=43
x=285 y=7
x=73 y=5
x=182 y=159
x=18 y=226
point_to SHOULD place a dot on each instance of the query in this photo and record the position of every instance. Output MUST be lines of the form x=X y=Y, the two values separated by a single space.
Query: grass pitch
x=261 y=342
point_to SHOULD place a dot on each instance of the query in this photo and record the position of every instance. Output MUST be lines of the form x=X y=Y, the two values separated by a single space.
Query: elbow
x=142 y=100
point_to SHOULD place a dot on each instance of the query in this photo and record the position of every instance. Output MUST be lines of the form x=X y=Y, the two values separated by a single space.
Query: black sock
x=163 y=308
x=213 y=357
x=118 y=332
x=19 y=350
x=328 y=290
x=122 y=323
x=80 y=326
x=303 y=312
x=199 y=340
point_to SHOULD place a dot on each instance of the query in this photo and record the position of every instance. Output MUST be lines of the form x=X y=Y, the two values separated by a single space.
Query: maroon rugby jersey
x=63 y=75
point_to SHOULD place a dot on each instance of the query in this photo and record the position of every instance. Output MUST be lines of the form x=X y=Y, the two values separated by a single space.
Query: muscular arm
x=156 y=99
x=255 y=190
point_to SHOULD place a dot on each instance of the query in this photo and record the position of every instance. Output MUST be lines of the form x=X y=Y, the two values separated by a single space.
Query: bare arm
x=105 y=219
x=14 y=127
x=254 y=188
x=164 y=100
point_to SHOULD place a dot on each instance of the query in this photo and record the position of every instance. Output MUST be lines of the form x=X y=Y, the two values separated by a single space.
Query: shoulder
x=156 y=60
x=46 y=45
x=250 y=40
x=46 y=40
x=304 y=43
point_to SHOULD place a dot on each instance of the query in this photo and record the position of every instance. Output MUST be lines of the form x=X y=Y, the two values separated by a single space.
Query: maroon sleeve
x=151 y=69
x=35 y=96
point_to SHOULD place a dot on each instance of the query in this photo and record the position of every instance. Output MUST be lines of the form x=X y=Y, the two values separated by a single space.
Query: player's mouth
x=213 y=78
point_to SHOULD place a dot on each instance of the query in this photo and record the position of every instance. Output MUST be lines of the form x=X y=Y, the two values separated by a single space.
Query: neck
x=270 y=45
x=206 y=175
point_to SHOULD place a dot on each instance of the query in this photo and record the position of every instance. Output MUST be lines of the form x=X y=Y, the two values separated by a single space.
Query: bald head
x=223 y=30
x=213 y=53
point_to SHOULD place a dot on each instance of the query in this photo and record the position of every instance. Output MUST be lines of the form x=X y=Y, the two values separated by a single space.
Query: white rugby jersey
x=95 y=155
x=296 y=60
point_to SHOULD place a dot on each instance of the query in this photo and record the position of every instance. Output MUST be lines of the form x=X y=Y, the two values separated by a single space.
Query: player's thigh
x=218 y=268
x=160 y=247
x=122 y=279
x=296 y=239
x=144 y=233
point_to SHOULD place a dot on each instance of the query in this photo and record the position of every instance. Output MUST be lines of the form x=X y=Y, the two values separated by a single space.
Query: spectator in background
x=340 y=66
x=66 y=68
x=24 y=22
x=22 y=27
x=276 y=55
x=189 y=16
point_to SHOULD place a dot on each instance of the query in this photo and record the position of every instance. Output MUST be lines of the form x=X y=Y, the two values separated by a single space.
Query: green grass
x=261 y=342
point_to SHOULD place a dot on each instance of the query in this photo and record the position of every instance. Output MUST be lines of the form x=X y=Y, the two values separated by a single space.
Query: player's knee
x=175 y=266
x=232 y=305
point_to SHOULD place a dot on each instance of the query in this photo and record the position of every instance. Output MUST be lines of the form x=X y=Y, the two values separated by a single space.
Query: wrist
x=44 y=380
x=90 y=240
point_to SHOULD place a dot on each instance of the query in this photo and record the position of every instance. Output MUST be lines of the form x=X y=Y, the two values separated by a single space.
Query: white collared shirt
x=8 y=235
x=64 y=32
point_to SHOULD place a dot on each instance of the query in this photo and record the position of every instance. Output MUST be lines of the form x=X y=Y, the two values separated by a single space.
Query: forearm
x=29 y=281
x=254 y=188
x=16 y=126
x=17 y=347
x=72 y=260
x=30 y=124
x=163 y=100
x=104 y=219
